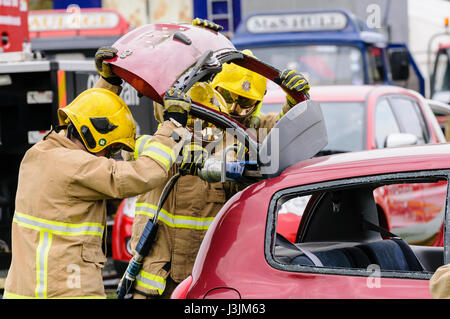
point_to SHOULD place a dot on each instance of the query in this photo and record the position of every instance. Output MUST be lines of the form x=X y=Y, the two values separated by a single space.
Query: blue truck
x=331 y=46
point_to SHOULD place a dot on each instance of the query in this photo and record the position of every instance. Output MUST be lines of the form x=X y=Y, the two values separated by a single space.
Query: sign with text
x=300 y=22
x=72 y=20
x=76 y=21
x=13 y=25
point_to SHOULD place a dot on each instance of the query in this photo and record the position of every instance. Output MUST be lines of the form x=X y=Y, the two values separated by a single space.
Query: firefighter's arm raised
x=293 y=80
x=108 y=80
x=100 y=177
x=154 y=159
x=290 y=80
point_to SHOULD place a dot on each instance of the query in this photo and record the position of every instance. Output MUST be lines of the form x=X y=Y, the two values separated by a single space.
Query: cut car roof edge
x=401 y=154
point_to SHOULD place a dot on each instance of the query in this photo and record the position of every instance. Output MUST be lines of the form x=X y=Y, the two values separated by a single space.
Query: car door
x=410 y=118
x=402 y=114
x=385 y=122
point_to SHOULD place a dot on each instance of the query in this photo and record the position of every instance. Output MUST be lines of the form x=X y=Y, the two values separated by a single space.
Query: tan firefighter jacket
x=440 y=283
x=184 y=219
x=60 y=216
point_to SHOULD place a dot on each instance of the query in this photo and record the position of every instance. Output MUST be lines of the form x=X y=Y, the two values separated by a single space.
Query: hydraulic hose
x=144 y=245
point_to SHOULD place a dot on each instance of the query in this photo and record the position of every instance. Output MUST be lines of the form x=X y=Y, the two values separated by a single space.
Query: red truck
x=14 y=26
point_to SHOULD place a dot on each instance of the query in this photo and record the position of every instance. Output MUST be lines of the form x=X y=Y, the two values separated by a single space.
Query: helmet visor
x=238 y=105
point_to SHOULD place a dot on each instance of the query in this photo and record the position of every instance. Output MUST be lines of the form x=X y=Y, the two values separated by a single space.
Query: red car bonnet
x=152 y=57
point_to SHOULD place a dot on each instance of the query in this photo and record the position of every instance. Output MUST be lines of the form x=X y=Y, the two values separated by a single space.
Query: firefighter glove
x=255 y=122
x=206 y=24
x=194 y=157
x=104 y=69
x=293 y=80
x=176 y=106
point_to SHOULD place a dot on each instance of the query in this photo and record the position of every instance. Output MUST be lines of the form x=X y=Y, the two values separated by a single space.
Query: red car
x=357 y=118
x=354 y=123
x=370 y=117
x=341 y=251
x=121 y=234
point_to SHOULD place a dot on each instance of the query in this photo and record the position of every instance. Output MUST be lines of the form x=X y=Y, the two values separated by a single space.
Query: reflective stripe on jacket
x=173 y=220
x=184 y=219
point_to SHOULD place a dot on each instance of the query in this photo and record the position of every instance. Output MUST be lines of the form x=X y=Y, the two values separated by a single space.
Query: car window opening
x=322 y=64
x=390 y=226
x=344 y=122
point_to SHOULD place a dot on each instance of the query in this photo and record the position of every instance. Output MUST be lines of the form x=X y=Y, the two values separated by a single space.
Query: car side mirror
x=442 y=96
x=399 y=61
x=400 y=139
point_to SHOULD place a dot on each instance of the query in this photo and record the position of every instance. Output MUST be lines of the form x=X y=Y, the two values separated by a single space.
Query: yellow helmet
x=241 y=81
x=202 y=93
x=101 y=118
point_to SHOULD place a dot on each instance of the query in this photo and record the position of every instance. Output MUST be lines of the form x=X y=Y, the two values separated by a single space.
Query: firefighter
x=64 y=181
x=189 y=209
x=193 y=204
x=244 y=91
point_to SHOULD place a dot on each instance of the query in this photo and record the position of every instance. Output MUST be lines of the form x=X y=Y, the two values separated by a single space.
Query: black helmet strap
x=73 y=133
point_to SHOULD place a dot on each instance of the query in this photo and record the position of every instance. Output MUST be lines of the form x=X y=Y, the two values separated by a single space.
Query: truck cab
x=440 y=78
x=74 y=33
x=331 y=47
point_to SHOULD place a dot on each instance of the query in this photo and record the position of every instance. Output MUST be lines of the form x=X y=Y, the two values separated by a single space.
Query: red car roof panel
x=151 y=59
